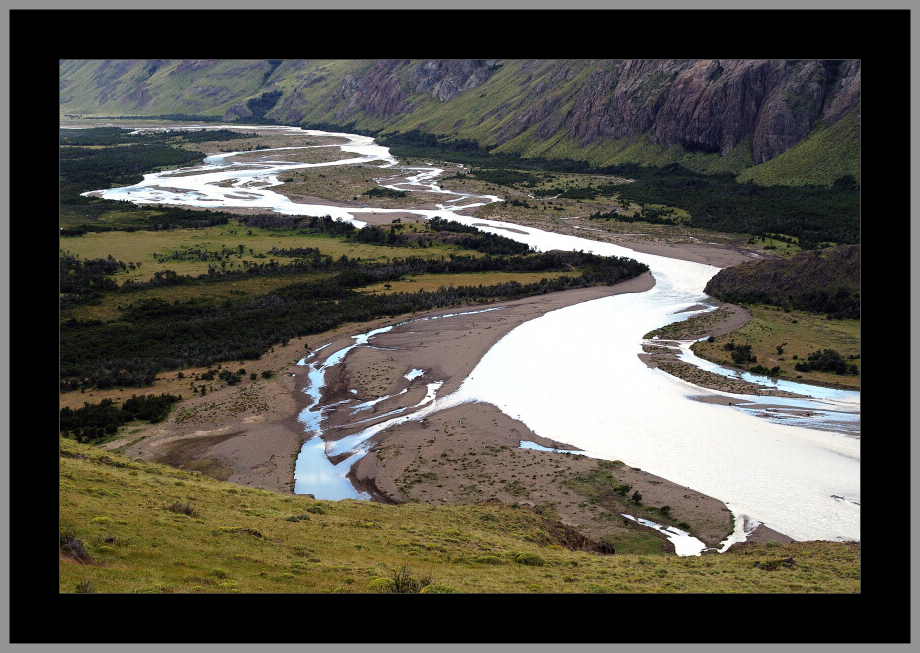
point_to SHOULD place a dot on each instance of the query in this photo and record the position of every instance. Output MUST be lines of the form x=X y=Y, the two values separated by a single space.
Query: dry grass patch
x=799 y=333
x=140 y=246
x=141 y=548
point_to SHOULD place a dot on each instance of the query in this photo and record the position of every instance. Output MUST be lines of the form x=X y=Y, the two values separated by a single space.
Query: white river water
x=573 y=375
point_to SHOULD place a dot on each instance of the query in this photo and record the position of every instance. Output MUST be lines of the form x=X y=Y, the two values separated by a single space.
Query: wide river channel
x=574 y=375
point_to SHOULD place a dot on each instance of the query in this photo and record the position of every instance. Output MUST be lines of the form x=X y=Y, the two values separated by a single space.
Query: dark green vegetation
x=813 y=214
x=444 y=232
x=647 y=214
x=94 y=422
x=191 y=117
x=826 y=360
x=123 y=136
x=473 y=238
x=109 y=156
x=154 y=335
x=82 y=282
x=380 y=191
x=83 y=168
x=822 y=281
x=504 y=177
x=741 y=354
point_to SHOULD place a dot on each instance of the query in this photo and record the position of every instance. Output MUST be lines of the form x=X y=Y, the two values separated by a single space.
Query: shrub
x=182 y=509
x=531 y=559
x=85 y=587
x=405 y=583
x=74 y=548
x=383 y=585
x=826 y=360
x=741 y=354
x=380 y=191
x=296 y=518
x=488 y=560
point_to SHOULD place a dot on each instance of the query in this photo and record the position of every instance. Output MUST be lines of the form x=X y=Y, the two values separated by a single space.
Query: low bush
x=297 y=518
x=488 y=560
x=531 y=559
x=826 y=360
x=182 y=509
x=403 y=582
x=382 y=585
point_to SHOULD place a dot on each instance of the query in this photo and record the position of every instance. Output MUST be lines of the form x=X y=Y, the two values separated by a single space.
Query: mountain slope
x=710 y=115
x=131 y=519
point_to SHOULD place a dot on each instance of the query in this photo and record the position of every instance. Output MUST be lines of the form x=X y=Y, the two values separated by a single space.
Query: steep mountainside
x=824 y=280
x=710 y=115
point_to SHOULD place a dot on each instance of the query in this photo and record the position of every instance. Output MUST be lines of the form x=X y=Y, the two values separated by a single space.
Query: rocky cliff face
x=702 y=105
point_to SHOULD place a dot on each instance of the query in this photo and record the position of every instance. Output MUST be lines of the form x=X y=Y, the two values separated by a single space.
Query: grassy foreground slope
x=240 y=539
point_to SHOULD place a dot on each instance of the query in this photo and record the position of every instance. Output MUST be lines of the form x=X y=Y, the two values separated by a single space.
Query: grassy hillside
x=829 y=153
x=514 y=106
x=131 y=518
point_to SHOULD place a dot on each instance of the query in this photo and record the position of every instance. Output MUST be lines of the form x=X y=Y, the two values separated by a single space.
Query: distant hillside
x=823 y=281
x=129 y=526
x=774 y=121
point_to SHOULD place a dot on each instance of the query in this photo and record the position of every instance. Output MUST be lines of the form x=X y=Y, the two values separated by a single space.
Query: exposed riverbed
x=573 y=375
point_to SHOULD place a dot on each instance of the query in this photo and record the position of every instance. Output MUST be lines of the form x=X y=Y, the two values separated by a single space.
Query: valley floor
x=251 y=435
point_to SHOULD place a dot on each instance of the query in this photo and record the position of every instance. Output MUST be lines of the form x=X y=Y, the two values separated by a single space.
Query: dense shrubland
x=154 y=335
x=813 y=214
x=94 y=422
x=822 y=281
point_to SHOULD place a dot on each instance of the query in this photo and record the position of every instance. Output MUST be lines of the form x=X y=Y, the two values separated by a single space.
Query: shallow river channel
x=573 y=375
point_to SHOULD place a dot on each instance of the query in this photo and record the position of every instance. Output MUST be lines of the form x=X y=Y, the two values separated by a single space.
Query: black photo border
x=880 y=38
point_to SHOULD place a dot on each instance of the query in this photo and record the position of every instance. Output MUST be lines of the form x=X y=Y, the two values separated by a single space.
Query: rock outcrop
x=701 y=105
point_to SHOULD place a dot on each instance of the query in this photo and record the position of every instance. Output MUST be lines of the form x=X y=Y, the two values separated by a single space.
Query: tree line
x=94 y=422
x=84 y=168
x=154 y=335
x=123 y=136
